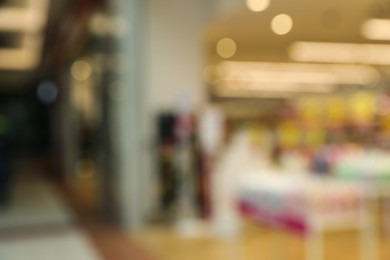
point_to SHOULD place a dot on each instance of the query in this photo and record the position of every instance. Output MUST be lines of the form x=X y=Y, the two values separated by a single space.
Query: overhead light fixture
x=227 y=93
x=22 y=58
x=376 y=29
x=282 y=24
x=18 y=59
x=226 y=48
x=21 y=19
x=40 y=6
x=257 y=5
x=29 y=21
x=279 y=87
x=81 y=70
x=102 y=24
x=299 y=73
x=375 y=54
x=283 y=80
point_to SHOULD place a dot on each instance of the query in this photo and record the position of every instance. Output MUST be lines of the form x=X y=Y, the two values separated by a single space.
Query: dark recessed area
x=10 y=39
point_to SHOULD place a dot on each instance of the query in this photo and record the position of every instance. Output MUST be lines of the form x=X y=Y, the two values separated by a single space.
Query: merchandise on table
x=368 y=165
x=290 y=202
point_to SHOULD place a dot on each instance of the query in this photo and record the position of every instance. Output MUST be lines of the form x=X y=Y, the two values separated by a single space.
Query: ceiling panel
x=320 y=20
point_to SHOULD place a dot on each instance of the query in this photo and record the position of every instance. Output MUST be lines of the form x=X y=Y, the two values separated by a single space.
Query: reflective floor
x=255 y=243
x=38 y=224
x=43 y=222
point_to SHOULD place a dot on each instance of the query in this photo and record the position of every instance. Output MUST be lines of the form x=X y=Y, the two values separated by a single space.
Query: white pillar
x=161 y=55
x=127 y=113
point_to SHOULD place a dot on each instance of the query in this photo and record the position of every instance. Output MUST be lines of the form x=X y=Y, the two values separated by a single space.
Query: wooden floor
x=255 y=243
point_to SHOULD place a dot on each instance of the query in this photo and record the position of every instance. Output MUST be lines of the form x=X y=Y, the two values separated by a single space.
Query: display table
x=309 y=206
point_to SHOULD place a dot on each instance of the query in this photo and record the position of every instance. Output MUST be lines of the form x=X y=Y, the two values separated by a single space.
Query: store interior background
x=147 y=129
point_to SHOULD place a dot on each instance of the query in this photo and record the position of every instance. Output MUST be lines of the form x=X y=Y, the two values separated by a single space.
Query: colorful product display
x=341 y=161
x=288 y=202
x=366 y=164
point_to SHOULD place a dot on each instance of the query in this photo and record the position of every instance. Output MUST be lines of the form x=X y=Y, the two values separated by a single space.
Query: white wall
x=174 y=52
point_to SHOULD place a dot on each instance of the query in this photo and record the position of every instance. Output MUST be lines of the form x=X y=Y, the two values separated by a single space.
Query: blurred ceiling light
x=281 y=24
x=18 y=19
x=375 y=54
x=248 y=78
x=303 y=73
x=283 y=77
x=39 y=6
x=376 y=29
x=257 y=5
x=99 y=24
x=29 y=20
x=226 y=48
x=102 y=24
x=285 y=87
x=229 y=93
x=81 y=70
x=18 y=59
